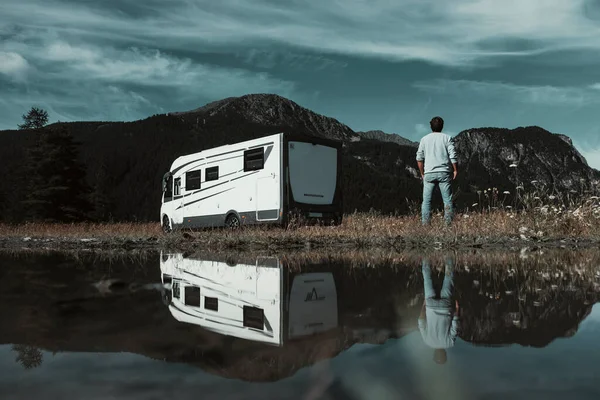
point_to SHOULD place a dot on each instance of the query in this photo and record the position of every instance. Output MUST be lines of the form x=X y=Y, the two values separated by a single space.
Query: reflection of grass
x=541 y=216
x=499 y=262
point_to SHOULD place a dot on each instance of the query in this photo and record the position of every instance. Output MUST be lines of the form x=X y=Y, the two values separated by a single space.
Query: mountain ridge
x=387 y=137
x=379 y=170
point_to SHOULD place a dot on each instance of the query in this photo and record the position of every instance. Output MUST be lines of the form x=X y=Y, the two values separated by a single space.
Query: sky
x=372 y=64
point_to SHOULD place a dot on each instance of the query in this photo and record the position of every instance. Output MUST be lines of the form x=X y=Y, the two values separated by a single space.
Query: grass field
x=483 y=226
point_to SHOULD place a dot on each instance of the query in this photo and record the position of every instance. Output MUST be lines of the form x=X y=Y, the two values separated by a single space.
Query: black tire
x=230 y=261
x=166 y=226
x=232 y=221
x=166 y=296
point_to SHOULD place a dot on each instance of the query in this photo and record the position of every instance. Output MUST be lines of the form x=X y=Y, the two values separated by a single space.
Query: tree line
x=55 y=183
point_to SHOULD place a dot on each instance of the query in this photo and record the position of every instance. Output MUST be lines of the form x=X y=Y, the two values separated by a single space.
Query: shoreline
x=188 y=243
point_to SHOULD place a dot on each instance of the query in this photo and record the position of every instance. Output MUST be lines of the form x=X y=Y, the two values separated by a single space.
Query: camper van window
x=211 y=174
x=169 y=189
x=192 y=296
x=175 y=287
x=254 y=159
x=192 y=180
x=253 y=317
x=177 y=190
x=211 y=303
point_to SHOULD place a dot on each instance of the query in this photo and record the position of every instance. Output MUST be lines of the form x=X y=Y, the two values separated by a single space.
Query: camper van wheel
x=166 y=225
x=166 y=297
x=232 y=221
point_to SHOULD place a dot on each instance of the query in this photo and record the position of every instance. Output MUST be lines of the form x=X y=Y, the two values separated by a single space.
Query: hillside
x=378 y=173
x=387 y=137
x=486 y=156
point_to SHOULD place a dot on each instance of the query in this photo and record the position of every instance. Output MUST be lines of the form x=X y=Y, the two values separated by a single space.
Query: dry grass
x=540 y=219
x=82 y=230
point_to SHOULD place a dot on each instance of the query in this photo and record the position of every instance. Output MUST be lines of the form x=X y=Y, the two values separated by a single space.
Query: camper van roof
x=216 y=150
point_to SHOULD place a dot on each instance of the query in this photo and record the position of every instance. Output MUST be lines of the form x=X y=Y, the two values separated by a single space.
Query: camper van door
x=267 y=198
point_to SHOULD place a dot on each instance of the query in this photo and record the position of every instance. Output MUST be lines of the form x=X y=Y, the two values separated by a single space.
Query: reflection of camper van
x=259 y=301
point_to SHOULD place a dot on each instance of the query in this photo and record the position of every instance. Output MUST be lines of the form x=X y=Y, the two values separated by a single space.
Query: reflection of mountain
x=528 y=308
x=49 y=302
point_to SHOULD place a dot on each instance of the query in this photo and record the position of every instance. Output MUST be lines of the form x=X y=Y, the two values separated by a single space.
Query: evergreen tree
x=101 y=199
x=34 y=119
x=57 y=191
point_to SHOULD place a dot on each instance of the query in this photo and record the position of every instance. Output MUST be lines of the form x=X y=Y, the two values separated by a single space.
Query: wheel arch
x=162 y=218
x=230 y=213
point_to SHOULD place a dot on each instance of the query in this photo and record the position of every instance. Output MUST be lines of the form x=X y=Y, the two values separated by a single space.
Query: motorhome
x=268 y=180
x=260 y=301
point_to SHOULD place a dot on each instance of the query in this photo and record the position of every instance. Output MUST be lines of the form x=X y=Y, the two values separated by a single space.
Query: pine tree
x=34 y=119
x=57 y=191
x=101 y=200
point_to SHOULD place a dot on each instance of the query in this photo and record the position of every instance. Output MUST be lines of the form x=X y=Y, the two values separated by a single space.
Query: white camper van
x=259 y=301
x=264 y=180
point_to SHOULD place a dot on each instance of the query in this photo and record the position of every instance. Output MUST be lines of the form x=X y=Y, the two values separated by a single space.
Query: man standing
x=437 y=163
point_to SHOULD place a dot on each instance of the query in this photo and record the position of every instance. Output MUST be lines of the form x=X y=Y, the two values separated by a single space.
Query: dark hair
x=437 y=124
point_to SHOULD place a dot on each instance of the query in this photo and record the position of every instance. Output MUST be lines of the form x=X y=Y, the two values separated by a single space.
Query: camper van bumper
x=330 y=217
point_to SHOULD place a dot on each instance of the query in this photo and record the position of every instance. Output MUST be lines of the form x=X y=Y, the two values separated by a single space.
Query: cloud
x=288 y=59
x=595 y=86
x=421 y=129
x=177 y=55
x=13 y=64
x=82 y=81
x=150 y=67
x=539 y=95
x=448 y=33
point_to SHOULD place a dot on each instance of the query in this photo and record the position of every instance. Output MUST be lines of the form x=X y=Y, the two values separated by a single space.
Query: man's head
x=437 y=124
x=439 y=356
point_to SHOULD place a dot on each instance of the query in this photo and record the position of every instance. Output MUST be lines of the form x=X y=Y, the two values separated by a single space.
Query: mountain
x=379 y=172
x=535 y=154
x=387 y=137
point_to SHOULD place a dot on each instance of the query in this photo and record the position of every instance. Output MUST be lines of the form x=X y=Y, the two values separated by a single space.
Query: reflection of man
x=438 y=321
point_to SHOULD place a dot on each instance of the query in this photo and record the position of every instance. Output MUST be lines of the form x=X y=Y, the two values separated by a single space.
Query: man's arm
x=454 y=326
x=452 y=156
x=421 y=168
x=420 y=158
x=422 y=321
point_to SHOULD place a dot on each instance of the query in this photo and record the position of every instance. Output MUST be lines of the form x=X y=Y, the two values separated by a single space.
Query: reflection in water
x=29 y=357
x=319 y=327
x=249 y=301
x=438 y=321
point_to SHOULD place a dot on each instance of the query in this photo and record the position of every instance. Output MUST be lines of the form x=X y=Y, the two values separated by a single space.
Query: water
x=322 y=326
